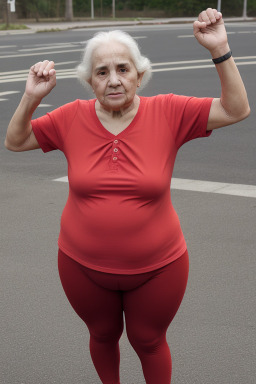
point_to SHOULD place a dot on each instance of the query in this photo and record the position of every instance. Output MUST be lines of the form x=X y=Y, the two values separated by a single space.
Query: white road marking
x=40 y=53
x=180 y=62
x=50 y=44
x=48 y=47
x=13 y=80
x=228 y=33
x=62 y=179
x=185 y=36
x=8 y=93
x=198 y=61
x=214 y=187
x=67 y=76
x=197 y=67
x=4 y=99
x=71 y=62
x=242 y=190
x=244 y=57
x=44 y=105
x=27 y=70
x=189 y=36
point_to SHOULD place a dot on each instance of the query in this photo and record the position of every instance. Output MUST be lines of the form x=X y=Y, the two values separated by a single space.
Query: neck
x=117 y=114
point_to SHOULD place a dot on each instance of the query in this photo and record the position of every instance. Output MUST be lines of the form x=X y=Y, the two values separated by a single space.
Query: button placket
x=114 y=154
x=115 y=151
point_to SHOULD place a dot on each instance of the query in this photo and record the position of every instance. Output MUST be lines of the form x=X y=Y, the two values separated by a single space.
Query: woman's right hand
x=41 y=80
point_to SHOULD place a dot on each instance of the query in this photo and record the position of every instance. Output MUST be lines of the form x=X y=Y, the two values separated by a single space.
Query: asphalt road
x=212 y=338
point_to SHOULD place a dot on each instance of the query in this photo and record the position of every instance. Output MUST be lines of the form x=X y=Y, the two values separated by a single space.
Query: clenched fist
x=41 y=79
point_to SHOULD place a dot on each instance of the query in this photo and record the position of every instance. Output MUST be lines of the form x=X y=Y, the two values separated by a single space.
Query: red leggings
x=149 y=302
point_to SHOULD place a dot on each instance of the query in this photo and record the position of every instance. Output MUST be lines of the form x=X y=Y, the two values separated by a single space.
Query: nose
x=114 y=80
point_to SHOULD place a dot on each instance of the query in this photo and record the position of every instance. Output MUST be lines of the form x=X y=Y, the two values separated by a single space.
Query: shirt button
x=115 y=141
x=115 y=150
x=115 y=158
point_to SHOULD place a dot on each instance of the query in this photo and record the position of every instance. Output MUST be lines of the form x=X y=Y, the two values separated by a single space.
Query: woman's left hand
x=211 y=33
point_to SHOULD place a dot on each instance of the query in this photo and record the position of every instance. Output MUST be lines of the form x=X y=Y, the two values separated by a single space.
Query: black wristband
x=222 y=58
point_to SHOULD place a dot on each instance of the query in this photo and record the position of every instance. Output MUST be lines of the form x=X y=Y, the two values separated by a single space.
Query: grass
x=48 y=30
x=5 y=27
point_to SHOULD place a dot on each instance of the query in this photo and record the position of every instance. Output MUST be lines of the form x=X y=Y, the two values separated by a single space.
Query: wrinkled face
x=114 y=76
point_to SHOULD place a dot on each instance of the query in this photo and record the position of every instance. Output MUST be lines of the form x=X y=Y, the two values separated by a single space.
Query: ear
x=90 y=83
x=140 y=76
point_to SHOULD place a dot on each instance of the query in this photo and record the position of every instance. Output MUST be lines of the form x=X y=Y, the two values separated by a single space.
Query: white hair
x=142 y=63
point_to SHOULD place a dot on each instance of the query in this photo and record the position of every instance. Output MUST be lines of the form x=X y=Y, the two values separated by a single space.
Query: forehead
x=112 y=52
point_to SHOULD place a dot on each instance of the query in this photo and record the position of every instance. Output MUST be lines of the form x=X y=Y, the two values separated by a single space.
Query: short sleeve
x=50 y=130
x=188 y=117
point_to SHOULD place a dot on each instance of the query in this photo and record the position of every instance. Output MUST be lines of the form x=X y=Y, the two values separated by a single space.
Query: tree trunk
x=69 y=10
x=114 y=9
x=245 y=9
x=58 y=9
x=7 y=18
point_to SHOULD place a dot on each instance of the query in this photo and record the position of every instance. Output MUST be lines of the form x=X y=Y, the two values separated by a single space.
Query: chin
x=116 y=106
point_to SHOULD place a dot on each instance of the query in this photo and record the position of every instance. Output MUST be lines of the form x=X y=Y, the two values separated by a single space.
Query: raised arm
x=233 y=104
x=41 y=80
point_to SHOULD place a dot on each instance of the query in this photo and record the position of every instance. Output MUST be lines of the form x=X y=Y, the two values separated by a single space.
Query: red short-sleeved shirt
x=119 y=217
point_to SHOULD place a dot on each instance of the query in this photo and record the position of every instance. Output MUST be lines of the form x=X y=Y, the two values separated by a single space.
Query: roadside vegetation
x=41 y=9
x=5 y=27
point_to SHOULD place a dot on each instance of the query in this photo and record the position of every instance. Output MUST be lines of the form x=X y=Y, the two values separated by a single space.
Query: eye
x=123 y=70
x=102 y=73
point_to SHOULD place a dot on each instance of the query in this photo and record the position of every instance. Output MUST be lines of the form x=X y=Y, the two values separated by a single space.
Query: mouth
x=115 y=94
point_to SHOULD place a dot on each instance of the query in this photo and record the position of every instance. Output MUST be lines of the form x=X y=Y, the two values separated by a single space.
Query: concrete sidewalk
x=61 y=26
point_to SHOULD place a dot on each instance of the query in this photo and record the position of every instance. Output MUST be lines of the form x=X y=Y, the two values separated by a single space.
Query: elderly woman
x=121 y=248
